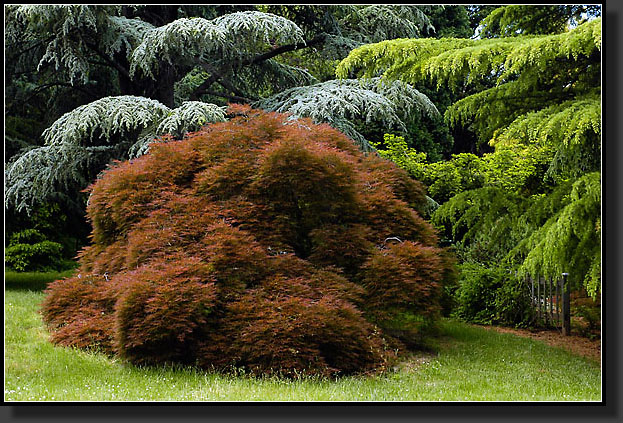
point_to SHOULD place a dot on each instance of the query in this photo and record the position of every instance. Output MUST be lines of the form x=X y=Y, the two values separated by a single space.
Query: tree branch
x=233 y=98
x=31 y=47
x=59 y=84
x=283 y=49
x=215 y=76
x=227 y=85
x=109 y=61
x=203 y=87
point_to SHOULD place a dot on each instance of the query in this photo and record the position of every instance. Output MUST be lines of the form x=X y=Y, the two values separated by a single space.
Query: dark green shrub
x=590 y=312
x=449 y=282
x=28 y=250
x=488 y=295
x=475 y=295
x=513 y=302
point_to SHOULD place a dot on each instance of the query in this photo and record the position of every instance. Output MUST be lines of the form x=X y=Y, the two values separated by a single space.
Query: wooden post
x=566 y=306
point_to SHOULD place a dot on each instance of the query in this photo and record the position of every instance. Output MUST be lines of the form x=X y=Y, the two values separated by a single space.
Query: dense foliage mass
x=492 y=295
x=262 y=242
x=29 y=250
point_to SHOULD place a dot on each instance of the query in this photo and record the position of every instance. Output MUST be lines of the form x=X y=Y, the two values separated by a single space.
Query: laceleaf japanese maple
x=263 y=242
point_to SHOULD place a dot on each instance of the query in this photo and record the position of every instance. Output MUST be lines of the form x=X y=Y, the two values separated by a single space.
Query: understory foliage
x=29 y=250
x=263 y=242
x=518 y=169
x=492 y=295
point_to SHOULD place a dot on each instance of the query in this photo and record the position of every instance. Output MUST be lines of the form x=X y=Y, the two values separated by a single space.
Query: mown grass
x=471 y=364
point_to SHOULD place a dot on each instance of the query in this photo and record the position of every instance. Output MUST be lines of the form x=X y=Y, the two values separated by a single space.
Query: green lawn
x=471 y=364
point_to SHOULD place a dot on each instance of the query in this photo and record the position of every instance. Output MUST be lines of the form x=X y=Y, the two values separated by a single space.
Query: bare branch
x=217 y=77
x=232 y=98
x=283 y=49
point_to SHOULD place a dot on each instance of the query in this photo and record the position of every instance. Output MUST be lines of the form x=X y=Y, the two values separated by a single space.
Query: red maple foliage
x=262 y=242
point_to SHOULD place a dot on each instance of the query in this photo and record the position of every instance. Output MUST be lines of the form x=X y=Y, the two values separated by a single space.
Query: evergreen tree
x=170 y=69
x=514 y=20
x=522 y=93
x=535 y=79
x=452 y=21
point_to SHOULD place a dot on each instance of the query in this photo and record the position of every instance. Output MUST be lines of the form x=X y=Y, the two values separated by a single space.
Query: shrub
x=487 y=295
x=79 y=312
x=255 y=243
x=300 y=325
x=28 y=250
x=513 y=302
x=475 y=296
x=403 y=277
x=163 y=310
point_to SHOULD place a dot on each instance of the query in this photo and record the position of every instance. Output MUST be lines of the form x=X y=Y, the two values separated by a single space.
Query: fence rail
x=551 y=301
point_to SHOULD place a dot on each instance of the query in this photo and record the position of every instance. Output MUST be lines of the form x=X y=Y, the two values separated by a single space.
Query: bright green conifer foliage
x=569 y=241
x=519 y=19
x=557 y=74
x=537 y=100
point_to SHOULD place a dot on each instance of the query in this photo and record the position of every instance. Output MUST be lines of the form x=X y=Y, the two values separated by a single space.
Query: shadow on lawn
x=32 y=281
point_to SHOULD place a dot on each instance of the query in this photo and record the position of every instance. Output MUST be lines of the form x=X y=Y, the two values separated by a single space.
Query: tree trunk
x=164 y=85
